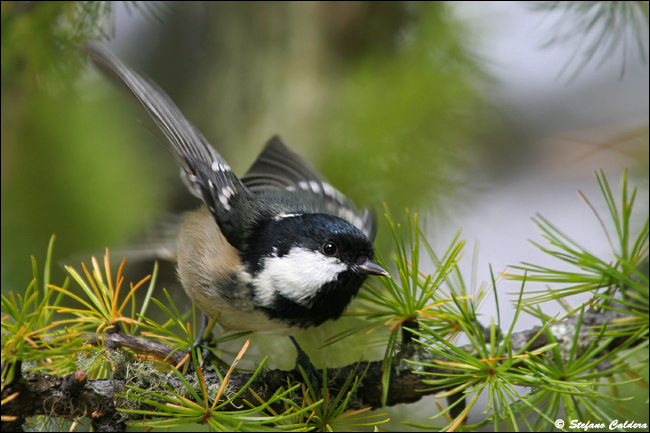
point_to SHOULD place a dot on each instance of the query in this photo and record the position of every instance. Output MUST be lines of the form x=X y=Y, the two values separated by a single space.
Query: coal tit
x=275 y=252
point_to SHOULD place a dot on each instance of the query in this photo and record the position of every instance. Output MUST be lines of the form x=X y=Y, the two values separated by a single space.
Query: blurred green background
x=406 y=103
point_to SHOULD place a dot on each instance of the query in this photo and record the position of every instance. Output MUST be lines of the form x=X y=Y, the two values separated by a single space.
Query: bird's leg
x=313 y=374
x=200 y=340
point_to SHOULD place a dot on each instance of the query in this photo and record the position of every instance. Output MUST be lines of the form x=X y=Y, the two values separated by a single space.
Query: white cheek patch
x=297 y=276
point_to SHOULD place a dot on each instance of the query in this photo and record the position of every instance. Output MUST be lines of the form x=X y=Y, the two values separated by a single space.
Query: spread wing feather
x=206 y=173
x=280 y=167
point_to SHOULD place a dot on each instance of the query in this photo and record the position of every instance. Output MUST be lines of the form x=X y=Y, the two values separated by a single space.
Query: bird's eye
x=329 y=249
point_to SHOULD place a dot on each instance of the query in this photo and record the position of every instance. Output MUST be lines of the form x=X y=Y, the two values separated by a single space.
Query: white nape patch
x=297 y=276
x=220 y=166
x=286 y=215
x=224 y=196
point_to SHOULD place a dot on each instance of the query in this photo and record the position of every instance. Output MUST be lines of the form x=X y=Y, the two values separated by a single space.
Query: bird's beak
x=371 y=268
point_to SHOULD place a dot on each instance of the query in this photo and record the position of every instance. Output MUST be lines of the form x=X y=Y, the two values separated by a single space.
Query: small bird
x=276 y=252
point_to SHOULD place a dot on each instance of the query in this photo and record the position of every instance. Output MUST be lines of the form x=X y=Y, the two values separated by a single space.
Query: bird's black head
x=306 y=268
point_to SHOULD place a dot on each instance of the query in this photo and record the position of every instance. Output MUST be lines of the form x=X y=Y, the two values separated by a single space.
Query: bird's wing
x=279 y=167
x=206 y=173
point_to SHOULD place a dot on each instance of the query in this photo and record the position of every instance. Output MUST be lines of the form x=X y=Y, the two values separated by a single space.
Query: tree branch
x=73 y=396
